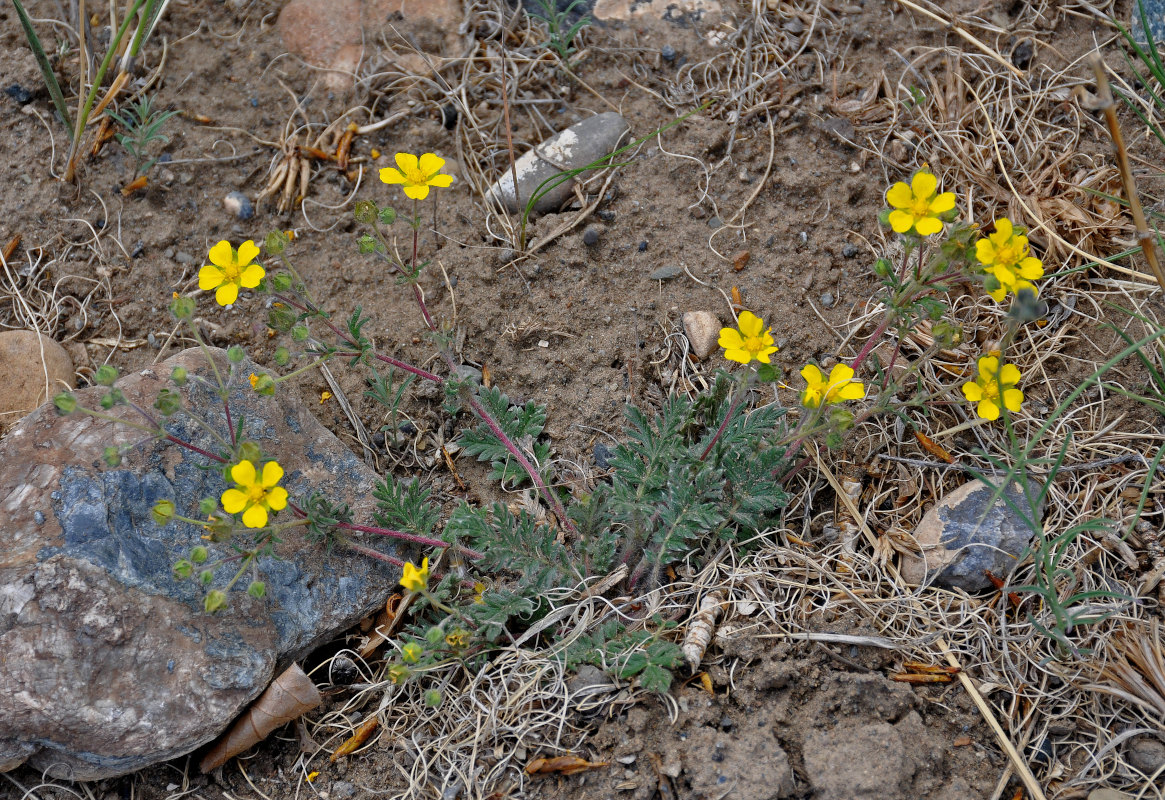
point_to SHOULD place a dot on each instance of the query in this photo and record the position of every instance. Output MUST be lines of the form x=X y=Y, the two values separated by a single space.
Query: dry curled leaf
x=289 y=696
x=701 y=628
x=357 y=739
x=564 y=765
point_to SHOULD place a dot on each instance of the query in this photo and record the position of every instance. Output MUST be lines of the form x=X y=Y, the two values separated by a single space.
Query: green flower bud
x=183 y=569
x=280 y=318
x=198 y=554
x=105 y=375
x=178 y=376
x=162 y=512
x=364 y=211
x=235 y=354
x=112 y=456
x=433 y=698
x=434 y=636
x=206 y=506
x=257 y=589
x=398 y=673
x=281 y=281
x=282 y=356
x=412 y=652
x=215 y=601
x=65 y=402
x=841 y=419
x=182 y=307
x=206 y=577
x=387 y=216
x=883 y=268
x=249 y=451
x=947 y=334
x=275 y=243
x=833 y=440
x=366 y=244
x=108 y=401
x=299 y=333
x=264 y=384
x=168 y=402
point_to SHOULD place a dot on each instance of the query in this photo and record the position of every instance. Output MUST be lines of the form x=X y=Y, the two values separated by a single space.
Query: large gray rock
x=580 y=144
x=107 y=661
x=964 y=535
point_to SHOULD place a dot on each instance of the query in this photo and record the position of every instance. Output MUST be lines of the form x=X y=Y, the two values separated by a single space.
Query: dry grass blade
x=1135 y=671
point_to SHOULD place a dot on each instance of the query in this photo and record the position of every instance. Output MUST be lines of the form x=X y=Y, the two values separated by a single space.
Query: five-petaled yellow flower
x=917 y=206
x=416 y=580
x=994 y=387
x=256 y=493
x=840 y=386
x=752 y=341
x=416 y=175
x=230 y=269
x=1005 y=255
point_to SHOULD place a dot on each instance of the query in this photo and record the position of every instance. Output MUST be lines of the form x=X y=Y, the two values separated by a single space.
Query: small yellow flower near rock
x=1005 y=255
x=254 y=380
x=255 y=494
x=325 y=396
x=375 y=153
x=416 y=580
x=917 y=206
x=752 y=342
x=841 y=386
x=416 y=175
x=311 y=776
x=994 y=387
x=229 y=270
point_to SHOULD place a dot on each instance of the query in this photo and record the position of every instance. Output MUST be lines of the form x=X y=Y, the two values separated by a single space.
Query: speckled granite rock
x=107 y=662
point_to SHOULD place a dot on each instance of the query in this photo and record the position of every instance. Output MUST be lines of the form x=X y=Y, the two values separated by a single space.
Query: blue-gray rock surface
x=107 y=661
x=964 y=535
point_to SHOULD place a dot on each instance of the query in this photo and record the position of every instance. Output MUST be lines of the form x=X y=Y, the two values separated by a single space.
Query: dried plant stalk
x=701 y=628
x=289 y=697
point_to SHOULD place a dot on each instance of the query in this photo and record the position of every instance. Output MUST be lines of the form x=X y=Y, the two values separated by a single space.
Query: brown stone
x=33 y=368
x=703 y=331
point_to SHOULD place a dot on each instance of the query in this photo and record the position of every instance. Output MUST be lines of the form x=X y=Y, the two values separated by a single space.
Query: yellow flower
x=255 y=494
x=416 y=175
x=457 y=638
x=752 y=341
x=916 y=206
x=416 y=580
x=840 y=386
x=994 y=387
x=254 y=381
x=230 y=269
x=1005 y=255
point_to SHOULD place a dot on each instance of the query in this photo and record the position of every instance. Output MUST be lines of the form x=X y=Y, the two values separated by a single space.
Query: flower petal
x=1031 y=268
x=743 y=356
x=841 y=373
x=277 y=498
x=985 y=251
x=441 y=181
x=251 y=276
x=730 y=339
x=227 y=294
x=233 y=501
x=416 y=191
x=812 y=375
x=988 y=366
x=997 y=294
x=1013 y=400
x=923 y=185
x=272 y=474
x=210 y=277
x=222 y=254
x=928 y=225
x=391 y=176
x=1003 y=229
x=430 y=164
x=899 y=195
x=407 y=163
x=988 y=410
x=255 y=516
x=1009 y=374
x=248 y=250
x=901 y=221
x=750 y=324
x=943 y=203
x=243 y=473
x=973 y=392
x=763 y=355
x=855 y=390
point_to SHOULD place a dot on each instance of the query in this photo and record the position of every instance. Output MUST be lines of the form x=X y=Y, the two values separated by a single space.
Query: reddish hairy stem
x=199 y=450
x=371 y=553
x=409 y=537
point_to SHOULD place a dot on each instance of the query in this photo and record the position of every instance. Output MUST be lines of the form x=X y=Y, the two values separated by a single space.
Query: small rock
x=740 y=260
x=827 y=299
x=703 y=331
x=591 y=235
x=1147 y=754
x=343 y=789
x=1109 y=794
x=643 y=247
x=468 y=372
x=182 y=257
x=1155 y=14
x=715 y=223
x=239 y=204
x=961 y=538
x=699 y=213
x=666 y=272
x=449 y=115
x=19 y=94
x=607 y=215
x=849 y=250
x=667 y=53
x=505 y=256
x=33 y=368
x=577 y=146
x=726 y=723
x=602 y=455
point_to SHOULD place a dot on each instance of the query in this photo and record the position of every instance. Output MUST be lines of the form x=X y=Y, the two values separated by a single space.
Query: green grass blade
x=46 y=69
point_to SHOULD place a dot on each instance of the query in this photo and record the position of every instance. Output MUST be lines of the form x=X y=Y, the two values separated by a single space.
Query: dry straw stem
x=1144 y=235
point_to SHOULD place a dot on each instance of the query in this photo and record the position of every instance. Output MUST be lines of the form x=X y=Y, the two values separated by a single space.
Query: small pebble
x=408 y=429
x=643 y=247
x=239 y=204
x=137 y=248
x=152 y=340
x=182 y=257
x=715 y=223
x=169 y=254
x=607 y=215
x=664 y=273
x=185 y=177
x=726 y=723
x=703 y=330
x=602 y=455
x=254 y=102
x=590 y=236
x=849 y=250
x=165 y=158
x=378 y=440
x=343 y=789
x=827 y=299
x=667 y=53
x=449 y=116
x=39 y=517
x=505 y=256
x=19 y=94
x=699 y=213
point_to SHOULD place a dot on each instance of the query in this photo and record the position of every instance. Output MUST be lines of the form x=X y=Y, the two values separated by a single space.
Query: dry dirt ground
x=585 y=329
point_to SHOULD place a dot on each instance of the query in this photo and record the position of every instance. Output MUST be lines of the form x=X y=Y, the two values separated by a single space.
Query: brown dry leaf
x=382 y=627
x=289 y=697
x=357 y=739
x=564 y=765
x=933 y=447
